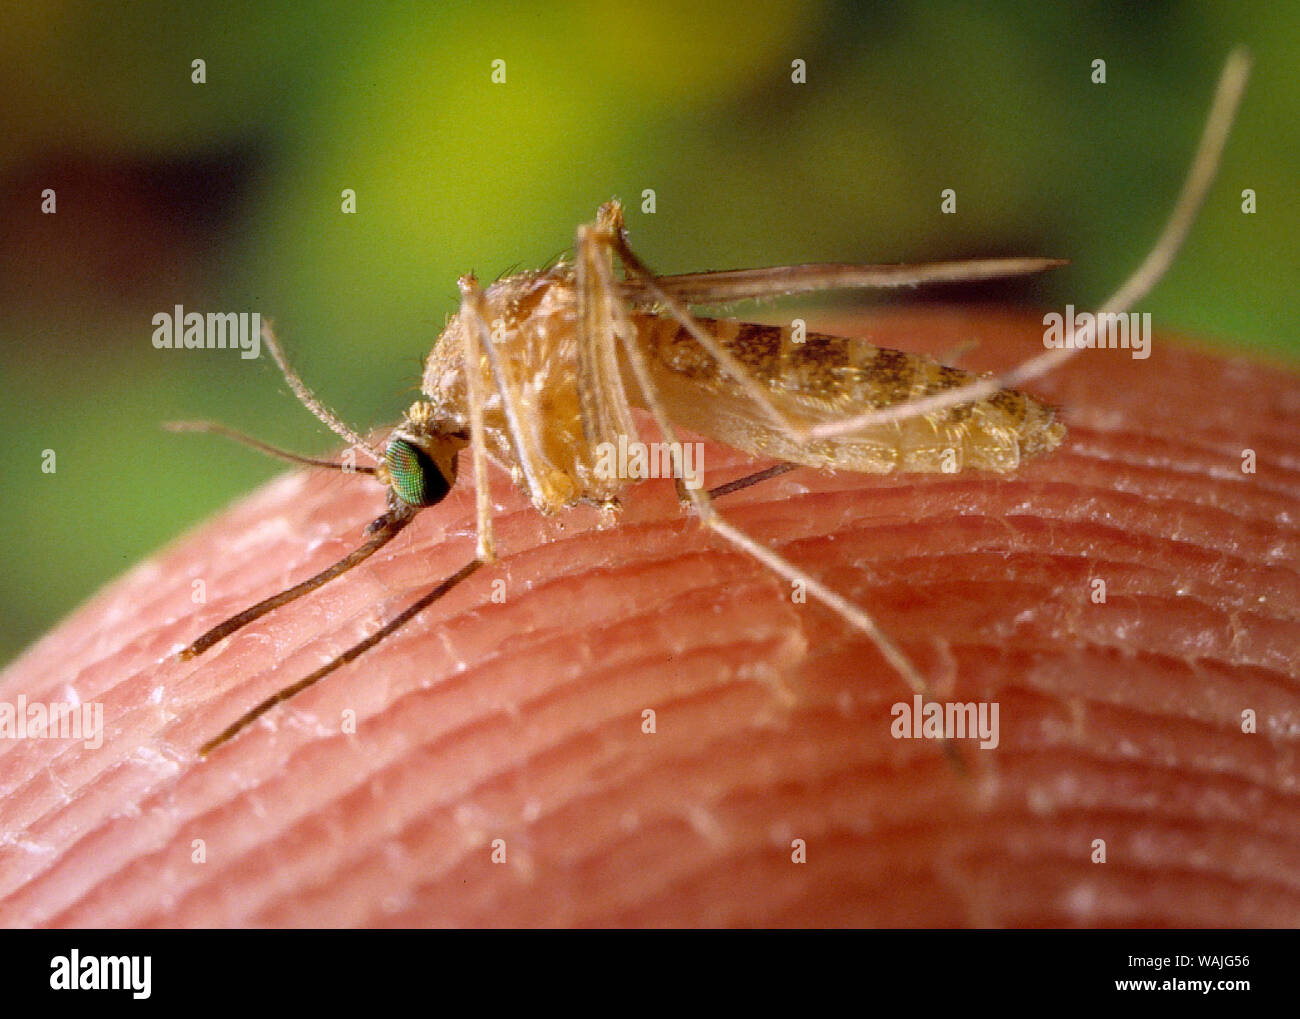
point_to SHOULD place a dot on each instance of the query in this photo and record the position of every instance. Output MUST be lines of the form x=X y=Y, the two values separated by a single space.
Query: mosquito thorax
x=419 y=465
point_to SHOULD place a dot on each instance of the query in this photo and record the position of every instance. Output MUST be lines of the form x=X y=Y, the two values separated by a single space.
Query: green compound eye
x=414 y=477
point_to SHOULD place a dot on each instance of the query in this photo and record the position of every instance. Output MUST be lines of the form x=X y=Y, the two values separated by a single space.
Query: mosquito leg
x=382 y=531
x=612 y=223
x=1205 y=164
x=358 y=649
x=602 y=400
x=709 y=517
x=472 y=312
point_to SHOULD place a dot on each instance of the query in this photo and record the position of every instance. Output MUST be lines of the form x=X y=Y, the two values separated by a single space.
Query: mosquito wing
x=733 y=285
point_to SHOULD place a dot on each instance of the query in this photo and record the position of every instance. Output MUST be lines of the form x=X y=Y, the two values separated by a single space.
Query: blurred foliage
x=226 y=196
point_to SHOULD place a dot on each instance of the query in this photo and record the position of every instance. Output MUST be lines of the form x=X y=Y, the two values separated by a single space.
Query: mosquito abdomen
x=825 y=378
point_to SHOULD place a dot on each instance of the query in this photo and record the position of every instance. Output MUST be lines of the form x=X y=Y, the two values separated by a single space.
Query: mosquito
x=541 y=368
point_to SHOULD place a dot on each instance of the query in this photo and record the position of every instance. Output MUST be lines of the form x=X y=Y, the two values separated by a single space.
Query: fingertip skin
x=639 y=726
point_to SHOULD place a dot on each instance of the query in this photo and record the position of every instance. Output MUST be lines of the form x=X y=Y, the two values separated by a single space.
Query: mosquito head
x=419 y=465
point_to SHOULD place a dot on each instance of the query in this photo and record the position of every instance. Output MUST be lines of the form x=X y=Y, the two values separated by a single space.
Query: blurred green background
x=225 y=196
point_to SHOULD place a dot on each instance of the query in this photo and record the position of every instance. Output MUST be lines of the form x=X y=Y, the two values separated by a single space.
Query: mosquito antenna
x=1205 y=164
x=382 y=531
x=212 y=428
x=351 y=653
x=308 y=399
